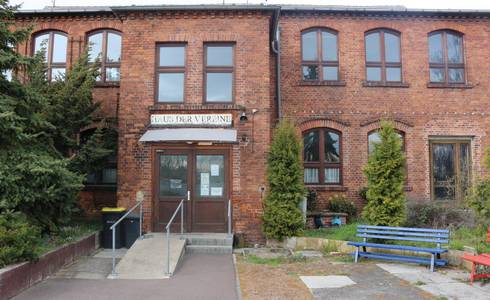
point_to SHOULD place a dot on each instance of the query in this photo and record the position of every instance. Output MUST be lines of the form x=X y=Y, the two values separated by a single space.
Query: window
x=383 y=59
x=54 y=44
x=107 y=175
x=218 y=76
x=374 y=137
x=319 y=59
x=106 y=45
x=450 y=169
x=446 y=63
x=322 y=156
x=170 y=75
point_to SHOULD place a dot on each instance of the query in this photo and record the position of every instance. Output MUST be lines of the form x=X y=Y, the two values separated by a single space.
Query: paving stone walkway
x=445 y=282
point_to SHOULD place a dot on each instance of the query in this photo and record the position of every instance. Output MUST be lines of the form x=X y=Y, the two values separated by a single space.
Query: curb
x=237 y=280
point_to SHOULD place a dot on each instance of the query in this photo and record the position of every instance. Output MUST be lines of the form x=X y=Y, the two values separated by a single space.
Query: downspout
x=276 y=48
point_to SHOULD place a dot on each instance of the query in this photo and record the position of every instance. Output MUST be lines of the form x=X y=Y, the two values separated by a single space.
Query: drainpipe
x=276 y=48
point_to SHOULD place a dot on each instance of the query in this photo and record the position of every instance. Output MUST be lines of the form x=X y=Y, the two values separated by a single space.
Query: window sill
x=320 y=187
x=322 y=83
x=107 y=84
x=100 y=187
x=196 y=106
x=385 y=84
x=450 y=85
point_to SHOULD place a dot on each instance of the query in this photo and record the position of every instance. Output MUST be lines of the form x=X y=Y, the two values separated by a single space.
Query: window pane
x=311 y=146
x=310 y=72
x=373 y=74
x=454 y=48
x=42 y=42
x=456 y=75
x=210 y=175
x=332 y=175
x=172 y=56
x=393 y=74
x=219 y=56
x=443 y=171
x=330 y=73
x=436 y=75
x=392 y=47
x=464 y=163
x=173 y=175
x=95 y=43
x=171 y=87
x=435 y=48
x=109 y=175
x=219 y=87
x=7 y=74
x=311 y=175
x=373 y=52
x=57 y=73
x=332 y=147
x=113 y=48
x=310 y=46
x=373 y=139
x=329 y=46
x=112 y=74
x=59 y=48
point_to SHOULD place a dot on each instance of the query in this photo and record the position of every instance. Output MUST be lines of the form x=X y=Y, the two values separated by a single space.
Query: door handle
x=188 y=195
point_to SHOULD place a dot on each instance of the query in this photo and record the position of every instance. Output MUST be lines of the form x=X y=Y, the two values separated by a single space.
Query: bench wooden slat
x=397 y=247
x=404 y=228
x=413 y=239
x=391 y=232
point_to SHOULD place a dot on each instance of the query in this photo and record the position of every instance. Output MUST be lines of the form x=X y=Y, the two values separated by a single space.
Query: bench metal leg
x=356 y=256
x=432 y=262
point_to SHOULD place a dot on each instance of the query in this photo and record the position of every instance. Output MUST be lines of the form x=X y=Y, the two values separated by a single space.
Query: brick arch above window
x=375 y=124
x=327 y=123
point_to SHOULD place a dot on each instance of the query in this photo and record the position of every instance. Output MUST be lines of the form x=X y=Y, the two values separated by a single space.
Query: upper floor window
x=383 y=59
x=219 y=64
x=319 y=59
x=54 y=44
x=446 y=63
x=170 y=73
x=322 y=156
x=106 y=45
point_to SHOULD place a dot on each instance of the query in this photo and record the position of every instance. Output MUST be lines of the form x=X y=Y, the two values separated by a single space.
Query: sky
x=423 y=4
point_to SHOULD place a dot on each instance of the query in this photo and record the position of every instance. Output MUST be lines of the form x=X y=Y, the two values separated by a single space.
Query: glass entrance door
x=201 y=178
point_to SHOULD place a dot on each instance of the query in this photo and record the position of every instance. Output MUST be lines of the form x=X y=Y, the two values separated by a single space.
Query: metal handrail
x=229 y=217
x=167 y=228
x=113 y=228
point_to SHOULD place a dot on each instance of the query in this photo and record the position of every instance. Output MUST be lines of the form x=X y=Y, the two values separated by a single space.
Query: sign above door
x=192 y=120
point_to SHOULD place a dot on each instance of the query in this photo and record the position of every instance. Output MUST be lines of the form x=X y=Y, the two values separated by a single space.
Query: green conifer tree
x=282 y=216
x=386 y=178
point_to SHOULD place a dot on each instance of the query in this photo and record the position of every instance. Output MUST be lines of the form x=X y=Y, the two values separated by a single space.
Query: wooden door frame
x=156 y=150
x=457 y=166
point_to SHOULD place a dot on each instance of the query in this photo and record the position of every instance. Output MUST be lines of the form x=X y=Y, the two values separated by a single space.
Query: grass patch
x=69 y=233
x=419 y=283
x=275 y=261
x=329 y=247
x=345 y=233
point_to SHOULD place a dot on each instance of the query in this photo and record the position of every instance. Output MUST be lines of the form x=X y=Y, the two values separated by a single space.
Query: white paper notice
x=204 y=184
x=175 y=183
x=216 y=191
x=214 y=170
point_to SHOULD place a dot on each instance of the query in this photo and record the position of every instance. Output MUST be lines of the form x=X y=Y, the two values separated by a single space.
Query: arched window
x=106 y=45
x=373 y=138
x=54 y=44
x=319 y=55
x=383 y=57
x=446 y=61
x=322 y=156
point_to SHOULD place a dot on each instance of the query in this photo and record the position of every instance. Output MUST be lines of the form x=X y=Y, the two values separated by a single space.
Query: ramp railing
x=181 y=208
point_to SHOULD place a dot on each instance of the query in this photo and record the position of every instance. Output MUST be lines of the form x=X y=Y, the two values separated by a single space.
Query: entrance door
x=450 y=170
x=200 y=177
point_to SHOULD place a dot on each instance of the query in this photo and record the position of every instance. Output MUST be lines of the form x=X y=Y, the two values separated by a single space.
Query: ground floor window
x=450 y=169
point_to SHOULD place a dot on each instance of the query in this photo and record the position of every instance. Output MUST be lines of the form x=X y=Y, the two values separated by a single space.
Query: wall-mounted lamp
x=243 y=117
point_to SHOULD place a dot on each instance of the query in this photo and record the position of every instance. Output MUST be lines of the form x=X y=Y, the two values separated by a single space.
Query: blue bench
x=427 y=235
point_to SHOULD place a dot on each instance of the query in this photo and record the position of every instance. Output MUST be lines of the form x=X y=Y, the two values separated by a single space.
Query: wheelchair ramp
x=147 y=258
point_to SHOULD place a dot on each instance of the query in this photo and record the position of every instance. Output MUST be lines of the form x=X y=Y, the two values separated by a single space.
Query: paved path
x=200 y=276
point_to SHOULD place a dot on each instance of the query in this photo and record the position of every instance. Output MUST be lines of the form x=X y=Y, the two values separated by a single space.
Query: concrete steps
x=147 y=258
x=209 y=243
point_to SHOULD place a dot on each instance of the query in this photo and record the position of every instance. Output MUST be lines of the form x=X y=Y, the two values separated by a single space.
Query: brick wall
x=418 y=111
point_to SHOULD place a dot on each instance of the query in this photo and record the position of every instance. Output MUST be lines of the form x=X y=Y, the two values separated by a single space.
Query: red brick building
x=195 y=92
